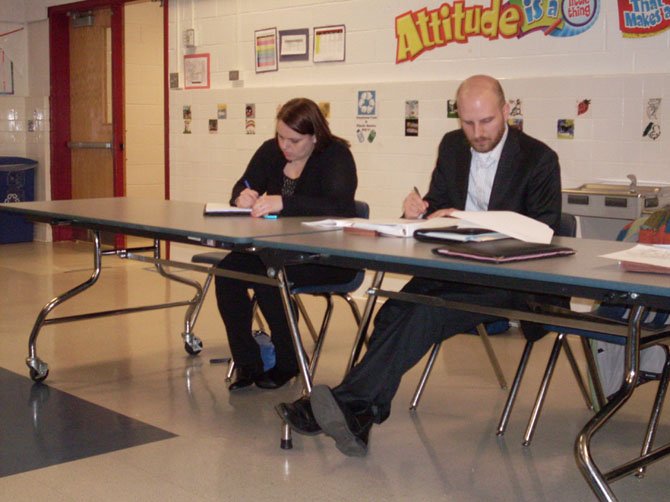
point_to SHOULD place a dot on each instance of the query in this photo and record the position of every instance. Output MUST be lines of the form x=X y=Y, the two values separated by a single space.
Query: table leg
x=39 y=370
x=585 y=461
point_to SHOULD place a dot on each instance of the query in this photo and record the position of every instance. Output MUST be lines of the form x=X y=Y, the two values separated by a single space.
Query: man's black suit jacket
x=528 y=179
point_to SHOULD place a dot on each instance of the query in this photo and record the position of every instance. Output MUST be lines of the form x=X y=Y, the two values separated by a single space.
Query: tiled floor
x=192 y=440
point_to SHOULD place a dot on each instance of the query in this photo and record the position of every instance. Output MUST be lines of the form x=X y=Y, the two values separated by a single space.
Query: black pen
x=416 y=191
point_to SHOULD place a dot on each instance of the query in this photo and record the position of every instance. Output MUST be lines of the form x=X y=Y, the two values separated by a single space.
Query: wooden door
x=91 y=118
x=87 y=136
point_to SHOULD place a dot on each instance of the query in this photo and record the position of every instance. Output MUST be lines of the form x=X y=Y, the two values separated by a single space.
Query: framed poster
x=265 y=46
x=196 y=71
x=294 y=45
x=329 y=43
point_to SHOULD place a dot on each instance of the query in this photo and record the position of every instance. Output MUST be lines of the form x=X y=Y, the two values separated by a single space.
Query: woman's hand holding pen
x=414 y=206
x=267 y=204
x=247 y=198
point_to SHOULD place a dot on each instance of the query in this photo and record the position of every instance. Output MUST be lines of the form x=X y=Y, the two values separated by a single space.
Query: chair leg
x=542 y=392
x=578 y=375
x=424 y=376
x=511 y=398
x=598 y=400
x=655 y=412
x=308 y=321
x=322 y=334
x=484 y=337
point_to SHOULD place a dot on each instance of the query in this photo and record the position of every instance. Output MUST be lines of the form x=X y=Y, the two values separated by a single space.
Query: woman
x=304 y=171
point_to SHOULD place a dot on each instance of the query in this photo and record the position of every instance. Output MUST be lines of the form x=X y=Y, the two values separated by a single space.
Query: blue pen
x=246 y=184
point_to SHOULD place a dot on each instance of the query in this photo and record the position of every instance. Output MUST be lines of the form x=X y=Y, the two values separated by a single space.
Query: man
x=484 y=165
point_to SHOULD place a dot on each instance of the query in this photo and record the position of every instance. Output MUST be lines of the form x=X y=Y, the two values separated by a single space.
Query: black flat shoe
x=298 y=415
x=274 y=378
x=243 y=379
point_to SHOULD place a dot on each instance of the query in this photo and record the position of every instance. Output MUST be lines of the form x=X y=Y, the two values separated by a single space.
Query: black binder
x=502 y=251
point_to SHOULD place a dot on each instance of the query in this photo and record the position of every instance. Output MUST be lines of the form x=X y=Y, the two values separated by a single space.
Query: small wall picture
x=452 y=109
x=213 y=125
x=565 y=129
x=222 y=111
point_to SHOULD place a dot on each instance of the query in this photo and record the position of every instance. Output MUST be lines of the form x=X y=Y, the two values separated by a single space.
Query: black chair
x=654 y=321
x=327 y=291
x=567 y=228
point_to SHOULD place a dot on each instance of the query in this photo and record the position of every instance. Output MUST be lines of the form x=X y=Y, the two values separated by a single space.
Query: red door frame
x=59 y=66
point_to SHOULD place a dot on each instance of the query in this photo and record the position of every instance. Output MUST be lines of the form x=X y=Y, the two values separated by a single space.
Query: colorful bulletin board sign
x=196 y=71
x=266 y=50
x=643 y=19
x=455 y=23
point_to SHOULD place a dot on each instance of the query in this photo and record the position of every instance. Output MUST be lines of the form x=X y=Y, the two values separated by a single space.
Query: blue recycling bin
x=17 y=184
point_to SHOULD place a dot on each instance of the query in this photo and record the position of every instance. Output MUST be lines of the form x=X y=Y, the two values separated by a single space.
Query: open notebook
x=217 y=209
x=502 y=251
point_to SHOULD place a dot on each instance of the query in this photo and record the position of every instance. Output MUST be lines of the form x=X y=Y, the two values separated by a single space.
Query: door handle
x=89 y=144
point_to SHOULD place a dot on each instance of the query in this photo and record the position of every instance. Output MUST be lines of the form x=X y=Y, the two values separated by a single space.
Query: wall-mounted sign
x=423 y=30
x=643 y=19
x=265 y=47
x=196 y=71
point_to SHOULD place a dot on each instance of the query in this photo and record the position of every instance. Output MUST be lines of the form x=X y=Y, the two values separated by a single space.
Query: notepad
x=502 y=251
x=217 y=209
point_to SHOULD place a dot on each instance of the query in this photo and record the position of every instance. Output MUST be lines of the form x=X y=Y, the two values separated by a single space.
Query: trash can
x=17 y=184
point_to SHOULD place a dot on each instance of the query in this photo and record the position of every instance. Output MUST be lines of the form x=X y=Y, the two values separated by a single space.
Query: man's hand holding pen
x=414 y=206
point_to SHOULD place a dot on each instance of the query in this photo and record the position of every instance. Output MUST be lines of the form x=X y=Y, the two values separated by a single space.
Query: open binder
x=502 y=251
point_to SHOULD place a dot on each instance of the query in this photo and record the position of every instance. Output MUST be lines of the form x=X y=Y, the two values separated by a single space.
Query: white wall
x=548 y=74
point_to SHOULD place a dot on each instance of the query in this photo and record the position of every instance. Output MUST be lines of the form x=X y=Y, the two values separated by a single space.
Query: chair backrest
x=362 y=209
x=568 y=225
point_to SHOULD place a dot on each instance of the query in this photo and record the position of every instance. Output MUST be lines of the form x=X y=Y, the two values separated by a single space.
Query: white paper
x=509 y=223
x=394 y=227
x=649 y=255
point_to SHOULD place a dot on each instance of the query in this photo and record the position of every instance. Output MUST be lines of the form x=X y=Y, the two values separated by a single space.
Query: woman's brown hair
x=305 y=117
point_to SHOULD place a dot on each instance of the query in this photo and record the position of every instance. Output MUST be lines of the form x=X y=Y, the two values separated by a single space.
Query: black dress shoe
x=298 y=415
x=350 y=432
x=243 y=378
x=274 y=378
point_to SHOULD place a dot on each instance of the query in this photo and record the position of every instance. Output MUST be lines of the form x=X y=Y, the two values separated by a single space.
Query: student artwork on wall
x=652 y=113
x=584 y=108
x=265 y=48
x=294 y=45
x=565 y=129
x=324 y=106
x=222 y=111
x=412 y=117
x=329 y=43
x=186 y=114
x=250 y=118
x=213 y=126
x=196 y=71
x=515 y=118
x=452 y=109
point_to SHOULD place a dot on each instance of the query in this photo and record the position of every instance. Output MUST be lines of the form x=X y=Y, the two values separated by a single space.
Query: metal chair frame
x=568 y=228
x=325 y=291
